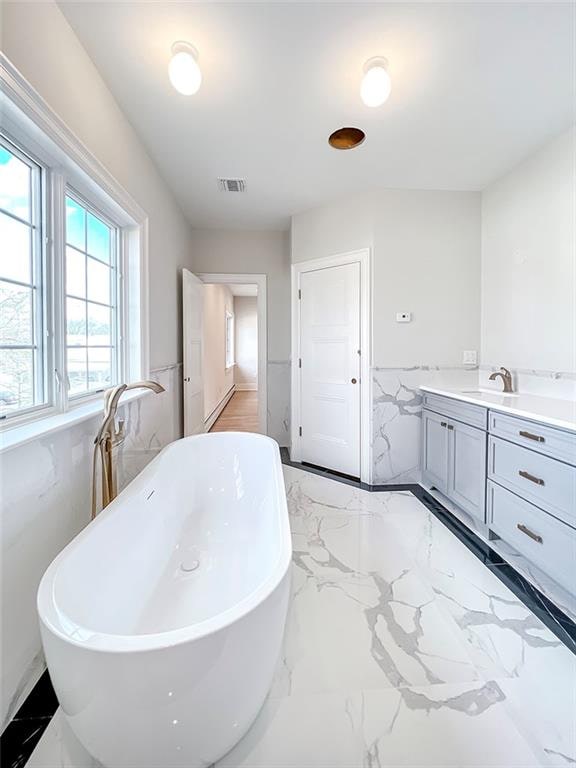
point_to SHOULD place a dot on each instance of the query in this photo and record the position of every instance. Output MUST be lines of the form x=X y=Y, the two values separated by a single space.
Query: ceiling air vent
x=232 y=185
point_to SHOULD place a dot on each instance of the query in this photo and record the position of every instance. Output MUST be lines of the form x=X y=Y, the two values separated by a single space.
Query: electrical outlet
x=403 y=317
x=469 y=357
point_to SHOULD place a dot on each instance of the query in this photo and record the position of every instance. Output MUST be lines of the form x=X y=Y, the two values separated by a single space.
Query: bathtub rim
x=126 y=643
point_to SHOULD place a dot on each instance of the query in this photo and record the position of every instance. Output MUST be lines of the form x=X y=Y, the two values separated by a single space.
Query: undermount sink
x=488 y=392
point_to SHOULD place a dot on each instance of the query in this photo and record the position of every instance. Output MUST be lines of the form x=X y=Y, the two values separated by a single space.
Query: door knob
x=353 y=381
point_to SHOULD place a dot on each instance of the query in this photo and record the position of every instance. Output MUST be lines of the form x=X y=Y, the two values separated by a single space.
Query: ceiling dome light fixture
x=376 y=85
x=183 y=70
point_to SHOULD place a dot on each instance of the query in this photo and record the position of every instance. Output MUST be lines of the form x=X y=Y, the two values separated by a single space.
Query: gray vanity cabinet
x=454 y=452
x=467 y=469
x=435 y=450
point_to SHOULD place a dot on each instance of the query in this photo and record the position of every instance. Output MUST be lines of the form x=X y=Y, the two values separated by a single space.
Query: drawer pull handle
x=530 y=436
x=531 y=534
x=530 y=477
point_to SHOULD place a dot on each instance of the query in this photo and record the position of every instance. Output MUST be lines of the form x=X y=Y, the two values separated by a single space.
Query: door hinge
x=299 y=362
x=300 y=431
x=299 y=293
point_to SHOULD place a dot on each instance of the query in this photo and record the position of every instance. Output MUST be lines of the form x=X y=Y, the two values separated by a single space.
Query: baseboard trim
x=209 y=422
x=250 y=386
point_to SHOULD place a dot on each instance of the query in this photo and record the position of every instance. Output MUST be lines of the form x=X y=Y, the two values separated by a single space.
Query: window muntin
x=22 y=349
x=91 y=268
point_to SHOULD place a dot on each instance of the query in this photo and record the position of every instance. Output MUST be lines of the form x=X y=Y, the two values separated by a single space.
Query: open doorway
x=234 y=353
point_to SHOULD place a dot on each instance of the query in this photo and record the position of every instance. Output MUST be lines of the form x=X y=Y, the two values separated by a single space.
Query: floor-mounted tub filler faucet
x=109 y=436
x=506 y=377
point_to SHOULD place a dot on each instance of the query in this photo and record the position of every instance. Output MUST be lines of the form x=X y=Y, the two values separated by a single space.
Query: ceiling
x=476 y=87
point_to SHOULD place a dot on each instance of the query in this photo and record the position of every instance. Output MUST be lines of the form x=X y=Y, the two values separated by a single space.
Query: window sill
x=26 y=433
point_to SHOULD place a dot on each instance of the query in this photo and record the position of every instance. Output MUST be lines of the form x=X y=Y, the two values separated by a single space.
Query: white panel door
x=330 y=367
x=193 y=386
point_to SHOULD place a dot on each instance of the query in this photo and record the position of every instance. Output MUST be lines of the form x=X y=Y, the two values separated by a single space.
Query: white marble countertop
x=546 y=410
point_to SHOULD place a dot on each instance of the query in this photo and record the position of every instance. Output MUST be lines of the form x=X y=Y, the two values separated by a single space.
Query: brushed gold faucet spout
x=108 y=437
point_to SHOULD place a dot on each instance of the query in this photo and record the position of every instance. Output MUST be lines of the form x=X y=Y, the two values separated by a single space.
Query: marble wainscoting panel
x=46 y=491
x=396 y=417
x=557 y=384
x=151 y=423
x=279 y=401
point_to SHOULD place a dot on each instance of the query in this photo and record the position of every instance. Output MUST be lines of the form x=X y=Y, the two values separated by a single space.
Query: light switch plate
x=470 y=357
x=403 y=317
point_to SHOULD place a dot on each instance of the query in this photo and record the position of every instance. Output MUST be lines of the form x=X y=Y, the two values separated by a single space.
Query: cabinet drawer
x=548 y=440
x=545 y=541
x=546 y=482
x=475 y=415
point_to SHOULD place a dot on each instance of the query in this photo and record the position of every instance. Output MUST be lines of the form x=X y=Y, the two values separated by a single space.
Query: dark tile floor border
x=25 y=730
x=549 y=614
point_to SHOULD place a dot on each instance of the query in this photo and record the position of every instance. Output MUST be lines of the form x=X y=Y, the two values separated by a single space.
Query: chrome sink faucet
x=108 y=437
x=506 y=377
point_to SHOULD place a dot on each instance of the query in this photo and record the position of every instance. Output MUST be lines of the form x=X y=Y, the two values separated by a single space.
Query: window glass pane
x=16 y=379
x=76 y=322
x=75 y=224
x=99 y=239
x=75 y=273
x=14 y=185
x=16 y=314
x=99 y=327
x=77 y=371
x=91 y=271
x=15 y=251
x=99 y=368
x=98 y=282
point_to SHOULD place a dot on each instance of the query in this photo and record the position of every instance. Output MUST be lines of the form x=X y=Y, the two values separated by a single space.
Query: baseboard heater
x=209 y=422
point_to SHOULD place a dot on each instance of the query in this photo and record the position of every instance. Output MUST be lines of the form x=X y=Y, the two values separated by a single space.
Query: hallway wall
x=218 y=380
x=246 y=342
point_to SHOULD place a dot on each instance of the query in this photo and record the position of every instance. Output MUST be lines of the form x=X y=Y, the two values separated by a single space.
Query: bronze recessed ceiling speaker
x=346 y=138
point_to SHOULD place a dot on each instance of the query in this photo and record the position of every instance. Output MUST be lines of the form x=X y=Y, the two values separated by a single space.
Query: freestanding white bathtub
x=162 y=621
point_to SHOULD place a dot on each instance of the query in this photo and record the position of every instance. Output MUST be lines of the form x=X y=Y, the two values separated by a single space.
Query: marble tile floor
x=401 y=649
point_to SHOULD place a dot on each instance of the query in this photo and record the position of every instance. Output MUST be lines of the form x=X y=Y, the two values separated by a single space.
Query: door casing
x=361 y=256
x=259 y=280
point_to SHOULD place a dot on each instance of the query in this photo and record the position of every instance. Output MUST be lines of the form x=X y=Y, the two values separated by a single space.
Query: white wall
x=258 y=252
x=39 y=41
x=246 y=341
x=529 y=263
x=425 y=260
x=218 y=380
x=45 y=485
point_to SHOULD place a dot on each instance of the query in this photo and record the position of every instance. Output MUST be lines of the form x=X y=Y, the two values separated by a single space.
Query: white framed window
x=93 y=352
x=73 y=272
x=23 y=364
x=229 y=340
